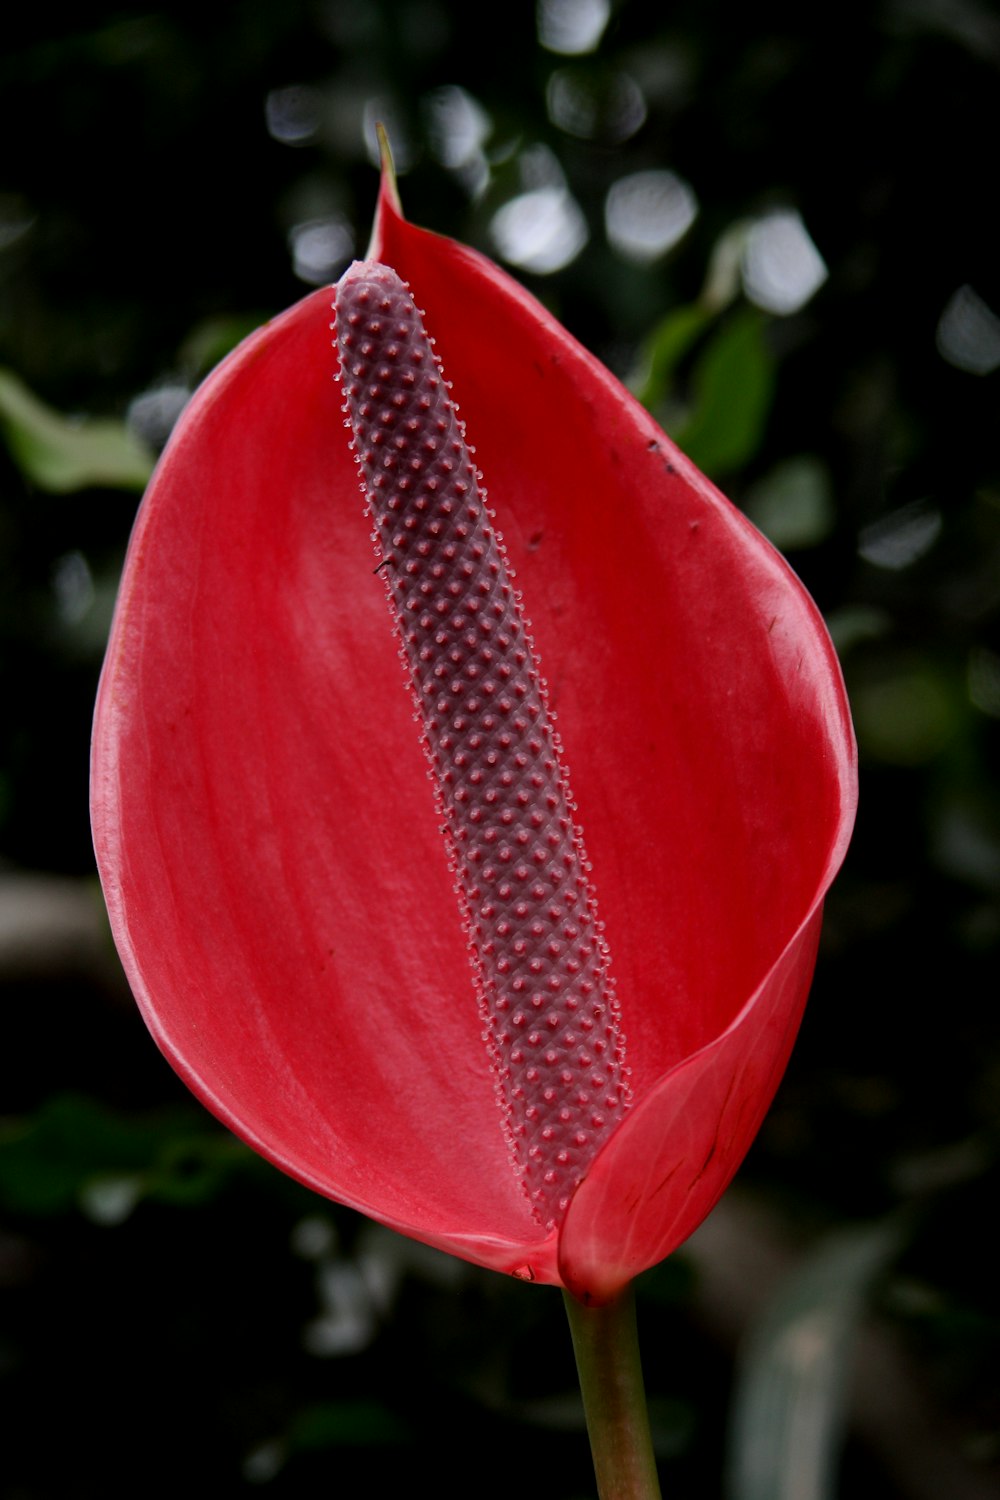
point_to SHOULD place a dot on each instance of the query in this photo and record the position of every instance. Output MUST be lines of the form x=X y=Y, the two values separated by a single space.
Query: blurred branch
x=62 y=454
x=54 y=927
x=741 y=1261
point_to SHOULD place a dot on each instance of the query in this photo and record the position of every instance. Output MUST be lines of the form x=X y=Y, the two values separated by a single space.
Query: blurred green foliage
x=59 y=455
x=171 y=1306
x=74 y=1152
x=796 y=1367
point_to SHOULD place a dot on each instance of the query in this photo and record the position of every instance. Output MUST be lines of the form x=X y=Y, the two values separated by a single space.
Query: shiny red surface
x=267 y=835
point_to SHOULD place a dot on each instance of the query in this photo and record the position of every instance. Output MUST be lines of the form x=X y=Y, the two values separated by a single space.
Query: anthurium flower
x=307 y=882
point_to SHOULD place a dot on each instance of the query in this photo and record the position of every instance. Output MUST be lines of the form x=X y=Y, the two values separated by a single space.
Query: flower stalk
x=606 y=1346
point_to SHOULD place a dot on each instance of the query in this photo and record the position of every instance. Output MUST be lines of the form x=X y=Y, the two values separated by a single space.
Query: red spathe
x=268 y=838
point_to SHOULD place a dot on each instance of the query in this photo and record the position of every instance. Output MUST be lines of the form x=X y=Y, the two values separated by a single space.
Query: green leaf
x=853 y=624
x=793 y=504
x=733 y=386
x=346 y=1424
x=788 y=1408
x=76 y=1152
x=59 y=454
x=664 y=349
x=211 y=340
x=906 y=708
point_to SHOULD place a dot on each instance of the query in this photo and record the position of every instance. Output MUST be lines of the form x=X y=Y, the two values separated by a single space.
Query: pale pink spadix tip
x=539 y=959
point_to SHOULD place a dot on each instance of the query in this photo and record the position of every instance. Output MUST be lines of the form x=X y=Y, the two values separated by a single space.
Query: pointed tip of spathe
x=389 y=205
x=389 y=185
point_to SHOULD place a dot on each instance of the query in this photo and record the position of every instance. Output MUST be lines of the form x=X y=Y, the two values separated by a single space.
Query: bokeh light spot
x=294 y=114
x=968 y=333
x=320 y=248
x=540 y=231
x=895 y=541
x=647 y=213
x=73 y=587
x=781 y=266
x=152 y=414
x=595 y=107
x=457 y=125
x=572 y=27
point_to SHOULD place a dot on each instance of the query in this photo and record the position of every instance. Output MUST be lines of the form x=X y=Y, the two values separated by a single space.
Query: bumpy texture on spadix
x=539 y=959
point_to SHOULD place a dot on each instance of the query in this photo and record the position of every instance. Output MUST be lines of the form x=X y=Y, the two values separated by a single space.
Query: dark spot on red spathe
x=666 y=1181
x=655 y=446
x=722 y=1123
x=535 y=541
x=707 y=1162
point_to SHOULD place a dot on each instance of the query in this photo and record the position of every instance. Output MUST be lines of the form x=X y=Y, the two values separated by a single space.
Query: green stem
x=607 y=1360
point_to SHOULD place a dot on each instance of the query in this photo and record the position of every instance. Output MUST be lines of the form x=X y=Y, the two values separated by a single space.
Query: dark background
x=173 y=1311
